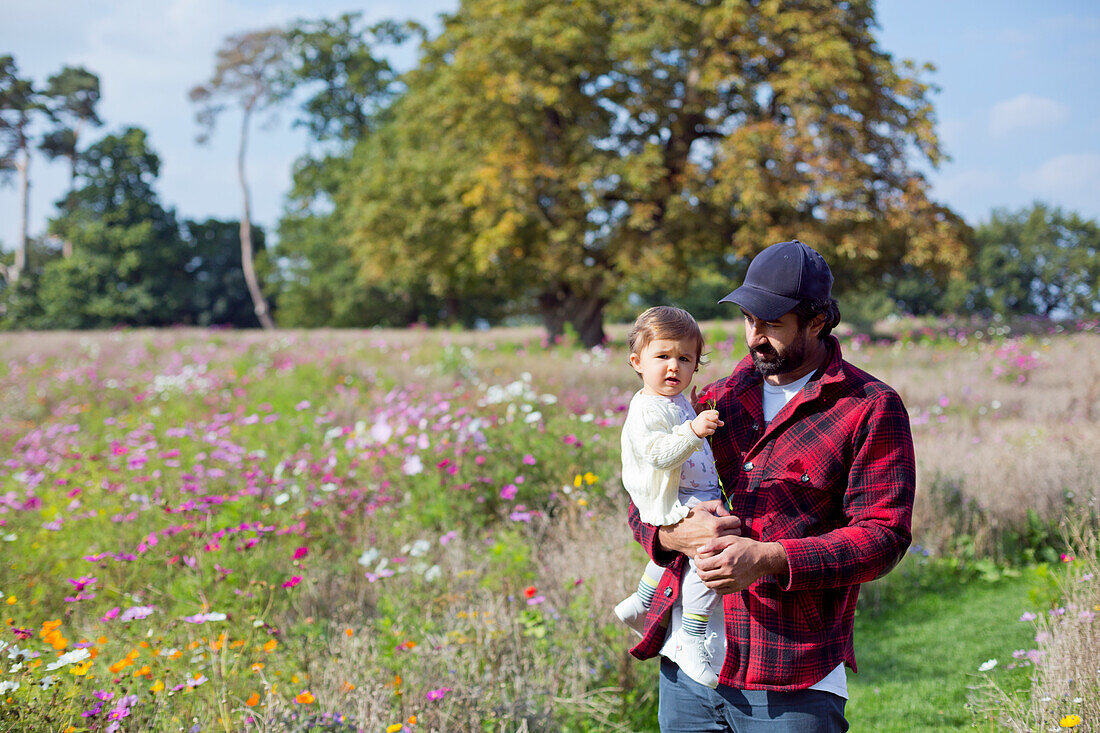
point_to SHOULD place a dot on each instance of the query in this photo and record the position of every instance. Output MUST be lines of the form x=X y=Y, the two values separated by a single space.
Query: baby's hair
x=665 y=322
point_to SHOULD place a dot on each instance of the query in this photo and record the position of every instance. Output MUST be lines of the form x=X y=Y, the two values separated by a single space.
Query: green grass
x=920 y=641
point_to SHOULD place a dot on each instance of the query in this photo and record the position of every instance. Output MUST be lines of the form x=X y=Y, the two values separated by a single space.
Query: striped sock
x=695 y=623
x=646 y=590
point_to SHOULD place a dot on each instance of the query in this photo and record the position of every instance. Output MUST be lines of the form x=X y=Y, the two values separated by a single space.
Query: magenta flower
x=301 y=552
x=438 y=694
x=508 y=492
x=529 y=460
x=294 y=580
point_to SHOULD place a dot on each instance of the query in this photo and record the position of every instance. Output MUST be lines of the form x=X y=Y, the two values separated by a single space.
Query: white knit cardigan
x=655 y=443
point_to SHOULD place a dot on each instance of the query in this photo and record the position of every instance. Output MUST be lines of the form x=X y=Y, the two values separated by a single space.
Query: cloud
x=1071 y=180
x=1025 y=112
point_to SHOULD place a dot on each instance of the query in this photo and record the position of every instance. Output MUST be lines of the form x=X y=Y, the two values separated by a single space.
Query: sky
x=1018 y=105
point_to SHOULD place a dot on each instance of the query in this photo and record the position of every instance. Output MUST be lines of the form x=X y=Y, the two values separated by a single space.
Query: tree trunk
x=23 y=166
x=258 y=301
x=583 y=312
x=66 y=245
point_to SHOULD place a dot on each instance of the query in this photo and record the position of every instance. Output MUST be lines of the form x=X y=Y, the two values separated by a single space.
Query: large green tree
x=128 y=261
x=556 y=151
x=1038 y=260
x=345 y=85
x=72 y=96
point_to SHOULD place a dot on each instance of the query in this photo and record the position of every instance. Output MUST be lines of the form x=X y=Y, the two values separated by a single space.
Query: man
x=817 y=466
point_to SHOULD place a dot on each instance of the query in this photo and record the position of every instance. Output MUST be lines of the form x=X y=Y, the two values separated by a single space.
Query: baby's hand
x=706 y=423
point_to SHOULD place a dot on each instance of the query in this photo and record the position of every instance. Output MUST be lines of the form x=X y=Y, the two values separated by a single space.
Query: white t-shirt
x=836 y=682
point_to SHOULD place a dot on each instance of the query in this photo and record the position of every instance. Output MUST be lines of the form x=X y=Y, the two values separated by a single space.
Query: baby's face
x=666 y=366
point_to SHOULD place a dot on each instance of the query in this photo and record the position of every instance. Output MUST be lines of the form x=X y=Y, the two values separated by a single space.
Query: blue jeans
x=687 y=707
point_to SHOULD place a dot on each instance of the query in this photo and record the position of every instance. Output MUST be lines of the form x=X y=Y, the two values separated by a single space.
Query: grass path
x=919 y=655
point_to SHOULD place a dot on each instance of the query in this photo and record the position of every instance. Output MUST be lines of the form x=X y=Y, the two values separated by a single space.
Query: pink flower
x=529 y=460
x=438 y=694
x=303 y=405
x=301 y=552
x=294 y=580
x=508 y=492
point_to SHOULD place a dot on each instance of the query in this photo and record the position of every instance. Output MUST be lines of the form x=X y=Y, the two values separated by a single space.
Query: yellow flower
x=81 y=669
x=577 y=481
x=1070 y=721
x=157 y=686
x=11 y=600
x=591 y=478
x=394 y=728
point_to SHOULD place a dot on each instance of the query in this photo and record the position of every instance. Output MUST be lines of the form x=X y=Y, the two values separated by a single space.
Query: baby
x=668 y=468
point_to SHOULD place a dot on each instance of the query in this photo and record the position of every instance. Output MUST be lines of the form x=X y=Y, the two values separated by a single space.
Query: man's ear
x=816 y=324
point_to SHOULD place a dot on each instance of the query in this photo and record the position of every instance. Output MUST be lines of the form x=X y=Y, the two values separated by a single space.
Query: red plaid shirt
x=832 y=479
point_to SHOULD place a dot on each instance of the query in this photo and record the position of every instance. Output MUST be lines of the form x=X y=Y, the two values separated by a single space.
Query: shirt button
x=748 y=466
x=668 y=592
x=804 y=478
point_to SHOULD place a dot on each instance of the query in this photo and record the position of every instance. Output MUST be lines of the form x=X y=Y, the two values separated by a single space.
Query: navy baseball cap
x=779 y=278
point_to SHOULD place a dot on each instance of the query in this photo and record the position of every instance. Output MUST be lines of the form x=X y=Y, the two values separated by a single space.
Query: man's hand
x=706 y=422
x=733 y=563
x=706 y=522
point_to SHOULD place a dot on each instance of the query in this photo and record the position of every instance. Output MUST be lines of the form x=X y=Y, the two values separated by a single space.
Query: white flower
x=8 y=686
x=420 y=548
x=432 y=573
x=282 y=498
x=76 y=655
x=412 y=466
x=368 y=557
x=534 y=417
x=987 y=665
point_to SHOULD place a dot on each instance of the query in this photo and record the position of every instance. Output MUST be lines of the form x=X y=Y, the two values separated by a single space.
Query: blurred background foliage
x=540 y=162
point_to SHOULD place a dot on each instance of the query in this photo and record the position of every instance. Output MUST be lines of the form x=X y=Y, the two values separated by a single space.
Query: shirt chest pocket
x=800 y=501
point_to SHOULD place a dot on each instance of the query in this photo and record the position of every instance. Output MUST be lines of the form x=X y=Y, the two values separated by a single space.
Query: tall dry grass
x=1065 y=690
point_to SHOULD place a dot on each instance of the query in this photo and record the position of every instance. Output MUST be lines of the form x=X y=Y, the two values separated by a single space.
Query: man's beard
x=769 y=362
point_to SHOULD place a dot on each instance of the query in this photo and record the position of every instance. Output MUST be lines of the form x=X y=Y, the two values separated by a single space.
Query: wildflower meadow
x=216 y=530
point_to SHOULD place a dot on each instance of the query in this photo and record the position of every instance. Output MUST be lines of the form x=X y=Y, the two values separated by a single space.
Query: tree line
x=566 y=162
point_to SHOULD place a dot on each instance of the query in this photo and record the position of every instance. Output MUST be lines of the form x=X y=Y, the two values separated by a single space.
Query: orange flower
x=218 y=643
x=145 y=671
x=348 y=632
x=304 y=698
x=253 y=700
x=411 y=720
x=348 y=687
x=257 y=666
x=270 y=645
